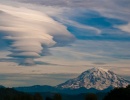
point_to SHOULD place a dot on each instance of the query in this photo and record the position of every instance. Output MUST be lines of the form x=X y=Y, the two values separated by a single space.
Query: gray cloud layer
x=15 y=80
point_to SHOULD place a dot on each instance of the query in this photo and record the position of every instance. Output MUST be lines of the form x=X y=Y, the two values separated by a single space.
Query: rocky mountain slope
x=97 y=78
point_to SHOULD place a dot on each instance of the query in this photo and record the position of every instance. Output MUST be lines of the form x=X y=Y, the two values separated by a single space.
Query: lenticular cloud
x=29 y=32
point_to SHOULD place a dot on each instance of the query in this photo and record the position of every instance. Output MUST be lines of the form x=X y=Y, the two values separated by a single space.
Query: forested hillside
x=11 y=94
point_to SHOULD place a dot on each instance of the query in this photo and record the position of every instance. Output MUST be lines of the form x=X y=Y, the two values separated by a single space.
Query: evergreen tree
x=37 y=96
x=57 y=97
x=119 y=94
x=91 y=96
x=48 y=98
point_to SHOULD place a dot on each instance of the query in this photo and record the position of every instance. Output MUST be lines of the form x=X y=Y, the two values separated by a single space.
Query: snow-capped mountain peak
x=97 y=78
x=99 y=69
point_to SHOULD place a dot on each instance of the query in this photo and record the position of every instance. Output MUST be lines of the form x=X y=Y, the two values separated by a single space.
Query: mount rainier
x=97 y=78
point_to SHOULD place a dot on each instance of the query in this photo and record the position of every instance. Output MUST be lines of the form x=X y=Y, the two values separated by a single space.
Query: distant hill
x=45 y=88
x=1 y=86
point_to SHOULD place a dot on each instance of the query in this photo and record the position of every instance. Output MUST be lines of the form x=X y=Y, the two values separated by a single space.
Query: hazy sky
x=49 y=42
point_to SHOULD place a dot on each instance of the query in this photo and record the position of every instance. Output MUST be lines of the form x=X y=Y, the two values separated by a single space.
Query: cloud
x=87 y=14
x=30 y=31
x=65 y=3
x=16 y=80
x=125 y=28
x=70 y=22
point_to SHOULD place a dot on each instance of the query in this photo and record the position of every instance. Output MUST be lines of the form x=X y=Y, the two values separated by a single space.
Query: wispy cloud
x=125 y=28
x=16 y=80
x=30 y=31
x=34 y=32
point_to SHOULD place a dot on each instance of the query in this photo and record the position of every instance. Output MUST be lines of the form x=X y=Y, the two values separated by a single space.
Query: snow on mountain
x=97 y=78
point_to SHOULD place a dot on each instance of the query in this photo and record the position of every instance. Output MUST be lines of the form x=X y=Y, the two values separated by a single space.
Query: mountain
x=91 y=81
x=96 y=78
x=1 y=86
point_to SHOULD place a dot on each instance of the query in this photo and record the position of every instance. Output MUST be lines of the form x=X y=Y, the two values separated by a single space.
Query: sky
x=46 y=42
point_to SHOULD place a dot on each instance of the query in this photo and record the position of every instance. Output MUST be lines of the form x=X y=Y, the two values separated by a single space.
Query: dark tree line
x=55 y=97
x=91 y=96
x=119 y=94
x=11 y=94
x=115 y=94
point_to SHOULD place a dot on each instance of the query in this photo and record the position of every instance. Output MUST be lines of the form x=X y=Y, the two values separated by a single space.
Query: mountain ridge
x=97 y=78
x=51 y=89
